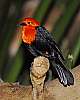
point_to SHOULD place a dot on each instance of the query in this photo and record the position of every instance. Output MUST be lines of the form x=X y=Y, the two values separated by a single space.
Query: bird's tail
x=64 y=75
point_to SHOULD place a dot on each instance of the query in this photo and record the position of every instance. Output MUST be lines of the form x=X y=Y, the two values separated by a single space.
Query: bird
x=40 y=42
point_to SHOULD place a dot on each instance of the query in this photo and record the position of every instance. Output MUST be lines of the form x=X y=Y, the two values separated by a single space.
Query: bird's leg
x=38 y=74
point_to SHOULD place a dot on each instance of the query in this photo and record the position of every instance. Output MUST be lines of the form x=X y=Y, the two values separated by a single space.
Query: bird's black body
x=45 y=45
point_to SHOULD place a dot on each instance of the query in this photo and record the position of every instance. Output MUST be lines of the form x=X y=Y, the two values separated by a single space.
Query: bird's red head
x=28 y=29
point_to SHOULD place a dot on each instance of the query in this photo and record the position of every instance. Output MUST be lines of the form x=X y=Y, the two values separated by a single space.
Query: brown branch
x=53 y=90
x=38 y=74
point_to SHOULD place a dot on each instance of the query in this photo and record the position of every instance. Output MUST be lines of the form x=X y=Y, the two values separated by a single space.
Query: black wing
x=64 y=75
x=46 y=36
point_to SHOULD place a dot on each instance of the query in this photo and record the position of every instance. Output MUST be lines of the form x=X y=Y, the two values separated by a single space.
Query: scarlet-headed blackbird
x=38 y=42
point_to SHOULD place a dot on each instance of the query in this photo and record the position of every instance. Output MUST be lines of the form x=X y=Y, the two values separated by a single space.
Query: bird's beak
x=23 y=24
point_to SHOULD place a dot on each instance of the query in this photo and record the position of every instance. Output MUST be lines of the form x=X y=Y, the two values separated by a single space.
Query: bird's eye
x=30 y=23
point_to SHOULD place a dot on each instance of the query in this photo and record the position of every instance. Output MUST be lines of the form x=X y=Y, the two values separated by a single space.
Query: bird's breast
x=28 y=35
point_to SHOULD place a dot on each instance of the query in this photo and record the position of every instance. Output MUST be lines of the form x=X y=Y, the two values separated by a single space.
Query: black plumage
x=45 y=45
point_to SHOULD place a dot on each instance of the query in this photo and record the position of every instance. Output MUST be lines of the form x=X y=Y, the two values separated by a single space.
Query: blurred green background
x=60 y=17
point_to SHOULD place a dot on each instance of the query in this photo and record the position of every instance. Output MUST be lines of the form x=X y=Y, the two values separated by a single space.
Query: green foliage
x=64 y=21
x=42 y=9
x=76 y=50
x=15 y=68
